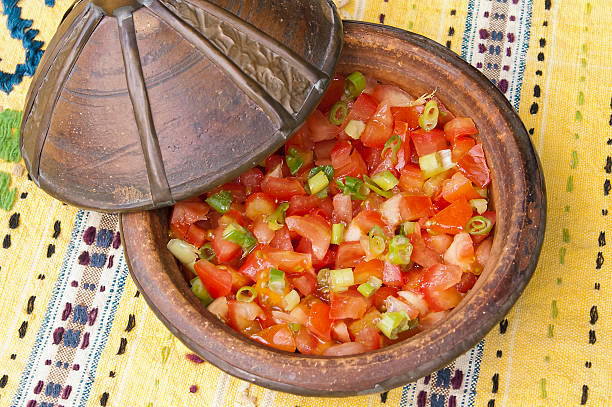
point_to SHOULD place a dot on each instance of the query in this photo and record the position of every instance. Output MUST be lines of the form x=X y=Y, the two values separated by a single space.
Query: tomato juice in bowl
x=516 y=191
x=369 y=225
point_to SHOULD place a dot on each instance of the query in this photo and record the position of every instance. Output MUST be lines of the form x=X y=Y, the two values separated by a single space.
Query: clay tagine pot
x=139 y=103
x=418 y=65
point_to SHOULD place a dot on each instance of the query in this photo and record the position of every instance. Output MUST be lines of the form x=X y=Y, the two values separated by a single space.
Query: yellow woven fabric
x=553 y=349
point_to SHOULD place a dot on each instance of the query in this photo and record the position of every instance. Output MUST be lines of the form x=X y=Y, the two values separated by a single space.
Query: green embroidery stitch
x=567 y=208
x=578 y=116
x=10 y=121
x=566 y=235
x=555 y=310
x=543 y=388
x=559 y=280
x=570 y=184
x=580 y=98
x=550 y=330
x=562 y=255
x=165 y=354
x=7 y=196
x=574 y=162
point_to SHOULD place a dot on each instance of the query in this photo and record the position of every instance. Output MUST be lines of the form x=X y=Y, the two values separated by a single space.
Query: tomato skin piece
x=334 y=92
x=304 y=246
x=441 y=300
x=251 y=179
x=196 y=236
x=459 y=126
x=368 y=337
x=288 y=261
x=305 y=342
x=367 y=219
x=347 y=163
x=258 y=204
x=467 y=282
x=348 y=304
x=413 y=280
x=304 y=204
x=423 y=255
x=218 y=281
x=453 y=218
x=320 y=127
x=306 y=284
x=409 y=115
x=282 y=239
x=381 y=295
x=461 y=252
x=364 y=270
x=225 y=251
x=459 y=187
x=442 y=276
x=255 y=263
x=427 y=142
x=273 y=162
x=314 y=228
x=349 y=254
x=411 y=179
x=319 y=322
x=474 y=166
x=242 y=315
x=415 y=207
x=342 y=209
x=277 y=336
x=282 y=188
x=460 y=147
x=185 y=213
x=363 y=108
x=379 y=128
x=392 y=275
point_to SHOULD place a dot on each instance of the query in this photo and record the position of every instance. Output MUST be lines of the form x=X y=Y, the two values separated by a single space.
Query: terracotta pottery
x=132 y=100
x=418 y=65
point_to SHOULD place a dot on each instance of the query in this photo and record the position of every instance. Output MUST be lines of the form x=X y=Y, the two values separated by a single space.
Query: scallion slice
x=337 y=233
x=377 y=241
x=369 y=287
x=291 y=300
x=408 y=228
x=338 y=113
x=372 y=186
x=276 y=220
x=328 y=170
x=318 y=182
x=479 y=225
x=206 y=252
x=276 y=282
x=385 y=179
x=392 y=323
x=354 y=187
x=246 y=294
x=340 y=280
x=394 y=143
x=355 y=83
x=221 y=201
x=400 y=250
x=354 y=129
x=241 y=236
x=294 y=160
x=436 y=163
x=429 y=118
x=184 y=252
x=295 y=328
x=479 y=205
x=198 y=289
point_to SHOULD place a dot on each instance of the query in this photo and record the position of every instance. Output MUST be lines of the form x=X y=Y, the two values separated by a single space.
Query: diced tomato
x=225 y=250
x=379 y=127
x=368 y=337
x=277 y=336
x=274 y=163
x=305 y=342
x=441 y=300
x=461 y=252
x=320 y=127
x=218 y=281
x=319 y=322
x=409 y=115
x=251 y=179
x=314 y=228
x=343 y=209
x=288 y=261
x=411 y=179
x=438 y=242
x=258 y=204
x=242 y=316
x=301 y=139
x=282 y=239
x=363 y=108
x=459 y=187
x=386 y=164
x=185 y=213
x=474 y=166
x=303 y=204
x=367 y=269
x=340 y=331
x=282 y=188
x=459 y=126
x=305 y=284
x=334 y=92
x=237 y=190
x=392 y=95
x=427 y=142
x=413 y=279
x=349 y=254
x=345 y=349
x=255 y=263
x=305 y=246
x=345 y=162
x=348 y=304
x=196 y=236
x=442 y=276
x=453 y=218
x=262 y=231
x=467 y=282
x=416 y=206
x=322 y=152
x=460 y=147
x=381 y=295
x=392 y=275
x=444 y=115
x=423 y=255
x=367 y=219
x=483 y=250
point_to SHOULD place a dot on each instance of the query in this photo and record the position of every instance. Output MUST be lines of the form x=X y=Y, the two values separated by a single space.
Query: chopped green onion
x=408 y=228
x=354 y=187
x=368 y=288
x=479 y=225
x=479 y=205
x=436 y=163
x=355 y=83
x=241 y=236
x=318 y=182
x=295 y=328
x=386 y=180
x=392 y=323
x=246 y=294
x=400 y=250
x=221 y=201
x=338 y=113
x=340 y=280
x=294 y=160
x=206 y=252
x=377 y=241
x=354 y=128
x=323 y=282
x=276 y=282
x=337 y=233
x=371 y=185
x=327 y=169
x=429 y=118
x=482 y=191
x=291 y=300
x=183 y=251
x=394 y=143
x=198 y=289
x=276 y=220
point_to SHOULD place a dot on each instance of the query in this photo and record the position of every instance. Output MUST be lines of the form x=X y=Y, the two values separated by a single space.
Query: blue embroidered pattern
x=20 y=29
